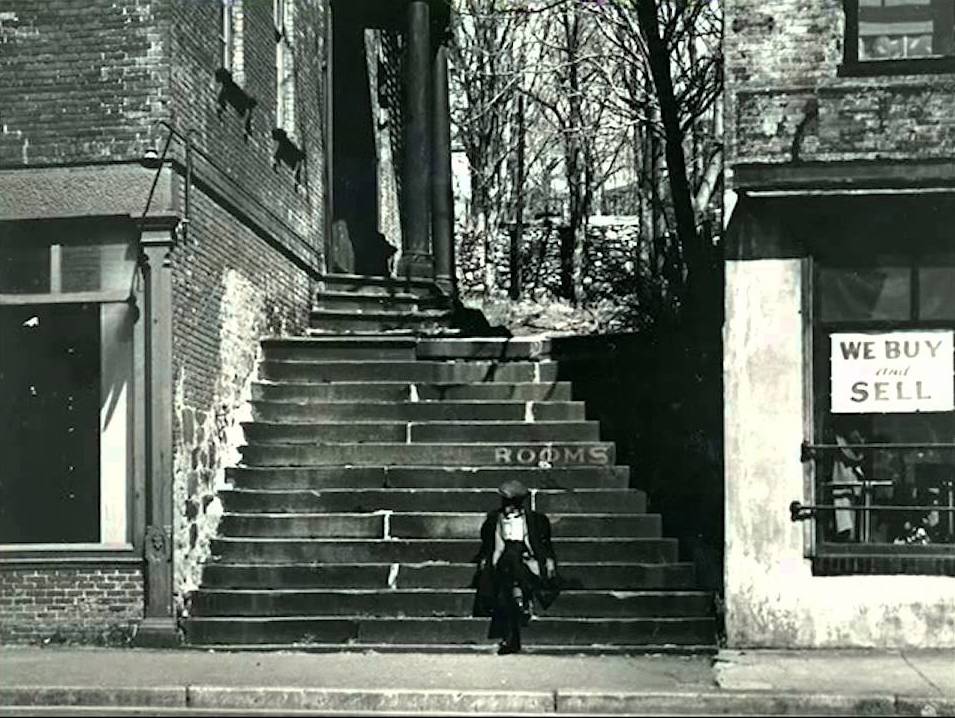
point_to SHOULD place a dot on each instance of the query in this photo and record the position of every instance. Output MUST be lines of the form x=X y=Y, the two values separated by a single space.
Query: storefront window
x=884 y=401
x=66 y=372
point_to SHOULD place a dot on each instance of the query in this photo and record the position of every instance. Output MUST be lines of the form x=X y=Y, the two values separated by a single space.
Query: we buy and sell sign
x=892 y=372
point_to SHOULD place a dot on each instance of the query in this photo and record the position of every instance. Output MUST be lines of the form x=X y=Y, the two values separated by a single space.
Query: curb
x=344 y=701
x=152 y=697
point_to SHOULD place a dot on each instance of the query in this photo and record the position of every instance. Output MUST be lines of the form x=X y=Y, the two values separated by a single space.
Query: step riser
x=362 y=500
x=320 y=353
x=398 y=551
x=472 y=349
x=402 y=391
x=390 y=604
x=338 y=477
x=420 y=433
x=589 y=454
x=365 y=302
x=370 y=323
x=425 y=372
x=450 y=526
x=278 y=412
x=377 y=286
x=594 y=577
x=691 y=631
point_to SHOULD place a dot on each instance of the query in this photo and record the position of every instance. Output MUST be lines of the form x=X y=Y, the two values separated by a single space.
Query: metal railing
x=929 y=518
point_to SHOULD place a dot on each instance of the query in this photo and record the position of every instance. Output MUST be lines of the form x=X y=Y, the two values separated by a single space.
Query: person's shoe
x=506 y=648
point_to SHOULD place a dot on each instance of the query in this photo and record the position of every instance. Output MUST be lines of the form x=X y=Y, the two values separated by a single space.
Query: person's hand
x=551 y=566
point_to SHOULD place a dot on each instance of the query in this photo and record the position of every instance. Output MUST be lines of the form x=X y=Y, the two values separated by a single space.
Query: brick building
x=164 y=204
x=840 y=430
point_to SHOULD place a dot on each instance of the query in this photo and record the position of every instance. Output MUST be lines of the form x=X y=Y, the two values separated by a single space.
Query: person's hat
x=512 y=489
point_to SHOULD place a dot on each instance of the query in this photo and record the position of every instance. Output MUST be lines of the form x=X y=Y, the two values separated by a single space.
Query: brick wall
x=255 y=244
x=82 y=84
x=231 y=288
x=86 y=605
x=786 y=104
x=78 y=80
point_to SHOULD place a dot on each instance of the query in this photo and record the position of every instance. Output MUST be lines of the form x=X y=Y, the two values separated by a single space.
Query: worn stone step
x=407 y=391
x=381 y=320
x=410 y=477
x=428 y=500
x=435 y=372
x=591 y=453
x=340 y=347
x=272 y=550
x=447 y=602
x=466 y=525
x=378 y=286
x=415 y=525
x=429 y=432
x=589 y=576
x=500 y=349
x=435 y=630
x=313 y=411
x=351 y=301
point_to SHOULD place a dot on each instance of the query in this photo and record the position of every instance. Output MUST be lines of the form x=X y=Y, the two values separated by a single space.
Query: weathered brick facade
x=83 y=85
x=786 y=103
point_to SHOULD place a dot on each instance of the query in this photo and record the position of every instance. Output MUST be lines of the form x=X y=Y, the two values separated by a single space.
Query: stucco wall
x=772 y=598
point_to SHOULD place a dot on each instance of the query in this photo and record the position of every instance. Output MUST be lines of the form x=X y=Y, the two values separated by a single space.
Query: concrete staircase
x=371 y=461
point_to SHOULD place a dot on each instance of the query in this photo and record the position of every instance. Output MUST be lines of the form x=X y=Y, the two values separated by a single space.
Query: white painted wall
x=772 y=598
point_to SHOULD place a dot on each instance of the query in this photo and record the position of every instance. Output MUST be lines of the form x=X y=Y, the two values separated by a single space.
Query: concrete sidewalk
x=33 y=681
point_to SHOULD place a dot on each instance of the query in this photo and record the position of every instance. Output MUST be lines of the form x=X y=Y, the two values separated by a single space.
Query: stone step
x=381 y=320
x=429 y=432
x=293 y=412
x=448 y=602
x=351 y=301
x=590 y=576
x=435 y=372
x=356 y=630
x=378 y=286
x=411 y=477
x=340 y=347
x=498 y=349
x=427 y=500
x=415 y=525
x=593 y=453
x=273 y=550
x=407 y=391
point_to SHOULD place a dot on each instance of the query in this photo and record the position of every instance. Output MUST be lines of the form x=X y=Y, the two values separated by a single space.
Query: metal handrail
x=808 y=451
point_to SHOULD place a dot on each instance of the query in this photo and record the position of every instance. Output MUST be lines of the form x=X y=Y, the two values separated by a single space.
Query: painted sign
x=892 y=372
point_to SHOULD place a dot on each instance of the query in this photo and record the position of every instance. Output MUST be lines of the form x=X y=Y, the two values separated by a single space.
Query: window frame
x=285 y=91
x=128 y=547
x=852 y=66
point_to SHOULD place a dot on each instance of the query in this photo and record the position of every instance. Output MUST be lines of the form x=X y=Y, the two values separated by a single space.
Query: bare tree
x=665 y=68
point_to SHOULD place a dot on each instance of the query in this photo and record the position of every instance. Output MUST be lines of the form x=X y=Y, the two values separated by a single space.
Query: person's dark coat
x=544 y=586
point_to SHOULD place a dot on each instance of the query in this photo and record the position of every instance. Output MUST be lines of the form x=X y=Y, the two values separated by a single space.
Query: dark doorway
x=50 y=445
x=354 y=158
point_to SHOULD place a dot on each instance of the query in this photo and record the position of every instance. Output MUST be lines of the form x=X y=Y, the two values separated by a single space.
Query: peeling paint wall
x=772 y=598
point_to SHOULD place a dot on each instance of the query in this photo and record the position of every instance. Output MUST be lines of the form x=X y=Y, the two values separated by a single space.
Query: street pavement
x=91 y=681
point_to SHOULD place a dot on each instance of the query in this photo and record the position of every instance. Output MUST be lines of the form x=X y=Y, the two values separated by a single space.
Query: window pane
x=937 y=293
x=905 y=483
x=24 y=267
x=897 y=29
x=50 y=390
x=865 y=294
x=97 y=267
